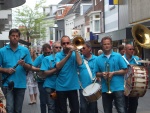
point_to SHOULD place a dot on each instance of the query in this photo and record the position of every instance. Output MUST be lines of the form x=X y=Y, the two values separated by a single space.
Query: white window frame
x=92 y=23
x=59 y=12
x=95 y=2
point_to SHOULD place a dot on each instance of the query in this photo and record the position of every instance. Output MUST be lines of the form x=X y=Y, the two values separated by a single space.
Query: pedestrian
x=50 y=73
x=121 y=49
x=31 y=82
x=46 y=50
x=131 y=102
x=67 y=85
x=111 y=67
x=86 y=78
x=14 y=60
x=100 y=52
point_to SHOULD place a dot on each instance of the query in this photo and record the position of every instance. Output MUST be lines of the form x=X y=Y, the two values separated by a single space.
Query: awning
x=7 y=4
x=117 y=35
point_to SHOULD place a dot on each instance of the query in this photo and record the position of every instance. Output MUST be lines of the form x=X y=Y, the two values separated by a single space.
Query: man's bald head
x=128 y=46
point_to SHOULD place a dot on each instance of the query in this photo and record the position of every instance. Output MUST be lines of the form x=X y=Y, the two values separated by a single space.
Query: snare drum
x=136 y=81
x=92 y=92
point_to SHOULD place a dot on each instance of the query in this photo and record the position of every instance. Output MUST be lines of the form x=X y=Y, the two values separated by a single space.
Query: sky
x=31 y=3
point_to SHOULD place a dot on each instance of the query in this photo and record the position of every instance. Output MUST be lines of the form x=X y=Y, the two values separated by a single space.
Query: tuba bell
x=78 y=42
x=141 y=35
x=138 y=49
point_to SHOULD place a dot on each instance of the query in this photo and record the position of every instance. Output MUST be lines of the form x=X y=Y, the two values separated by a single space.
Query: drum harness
x=90 y=73
x=88 y=68
x=129 y=64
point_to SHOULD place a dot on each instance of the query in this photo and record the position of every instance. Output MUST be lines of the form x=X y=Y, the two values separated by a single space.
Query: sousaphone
x=141 y=35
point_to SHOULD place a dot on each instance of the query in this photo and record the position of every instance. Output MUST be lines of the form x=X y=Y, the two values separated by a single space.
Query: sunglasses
x=64 y=43
x=58 y=47
x=130 y=49
x=47 y=53
x=83 y=48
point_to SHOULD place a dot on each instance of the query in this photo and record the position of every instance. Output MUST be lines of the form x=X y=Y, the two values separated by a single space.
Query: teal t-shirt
x=84 y=75
x=9 y=58
x=67 y=77
x=48 y=63
x=37 y=63
x=116 y=62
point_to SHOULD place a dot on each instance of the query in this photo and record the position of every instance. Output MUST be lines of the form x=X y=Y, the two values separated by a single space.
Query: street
x=144 y=105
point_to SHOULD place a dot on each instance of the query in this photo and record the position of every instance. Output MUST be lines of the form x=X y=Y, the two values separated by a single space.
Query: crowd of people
x=64 y=71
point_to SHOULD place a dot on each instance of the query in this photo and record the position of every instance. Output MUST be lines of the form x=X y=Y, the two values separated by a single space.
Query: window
x=97 y=26
x=59 y=12
x=95 y=23
x=95 y=2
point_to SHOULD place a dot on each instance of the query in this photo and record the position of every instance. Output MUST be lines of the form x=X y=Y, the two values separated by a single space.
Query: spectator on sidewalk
x=31 y=82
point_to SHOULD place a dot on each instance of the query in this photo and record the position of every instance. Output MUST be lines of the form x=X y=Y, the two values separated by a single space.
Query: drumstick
x=94 y=82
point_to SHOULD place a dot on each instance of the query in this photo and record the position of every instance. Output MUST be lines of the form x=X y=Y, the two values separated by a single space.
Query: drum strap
x=126 y=60
x=88 y=68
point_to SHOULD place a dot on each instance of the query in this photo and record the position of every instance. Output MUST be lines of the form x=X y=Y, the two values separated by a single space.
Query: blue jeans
x=51 y=102
x=118 y=97
x=131 y=104
x=42 y=96
x=14 y=99
x=85 y=106
x=72 y=96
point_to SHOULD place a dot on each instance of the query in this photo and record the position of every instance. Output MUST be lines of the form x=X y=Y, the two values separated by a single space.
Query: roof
x=63 y=1
x=76 y=6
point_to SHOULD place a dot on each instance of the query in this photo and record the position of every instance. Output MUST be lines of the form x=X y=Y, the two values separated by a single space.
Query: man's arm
x=25 y=65
x=63 y=61
x=78 y=58
x=7 y=70
x=35 y=69
x=49 y=72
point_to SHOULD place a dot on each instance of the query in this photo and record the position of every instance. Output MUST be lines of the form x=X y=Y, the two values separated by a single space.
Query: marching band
x=72 y=73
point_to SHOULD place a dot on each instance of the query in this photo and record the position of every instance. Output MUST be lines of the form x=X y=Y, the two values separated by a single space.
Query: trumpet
x=108 y=79
x=78 y=42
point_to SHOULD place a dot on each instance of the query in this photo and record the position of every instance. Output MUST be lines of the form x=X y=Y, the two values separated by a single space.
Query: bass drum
x=136 y=81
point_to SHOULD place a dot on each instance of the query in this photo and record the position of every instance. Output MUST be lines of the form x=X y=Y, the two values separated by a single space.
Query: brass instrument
x=138 y=49
x=78 y=42
x=108 y=79
x=141 y=35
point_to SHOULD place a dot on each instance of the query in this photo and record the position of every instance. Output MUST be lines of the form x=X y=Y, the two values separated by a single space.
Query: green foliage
x=31 y=20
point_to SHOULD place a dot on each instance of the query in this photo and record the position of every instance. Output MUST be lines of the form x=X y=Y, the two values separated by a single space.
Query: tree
x=31 y=21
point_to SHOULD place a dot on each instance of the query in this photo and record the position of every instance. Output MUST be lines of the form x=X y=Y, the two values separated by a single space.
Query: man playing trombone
x=111 y=67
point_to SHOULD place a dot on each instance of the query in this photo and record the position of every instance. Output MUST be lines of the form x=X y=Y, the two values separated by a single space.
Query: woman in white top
x=31 y=82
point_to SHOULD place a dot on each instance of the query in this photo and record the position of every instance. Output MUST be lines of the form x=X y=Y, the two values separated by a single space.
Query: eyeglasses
x=65 y=43
x=58 y=47
x=83 y=48
x=47 y=53
x=130 y=49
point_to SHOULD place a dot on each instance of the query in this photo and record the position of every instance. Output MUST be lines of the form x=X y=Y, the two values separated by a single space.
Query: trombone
x=108 y=79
